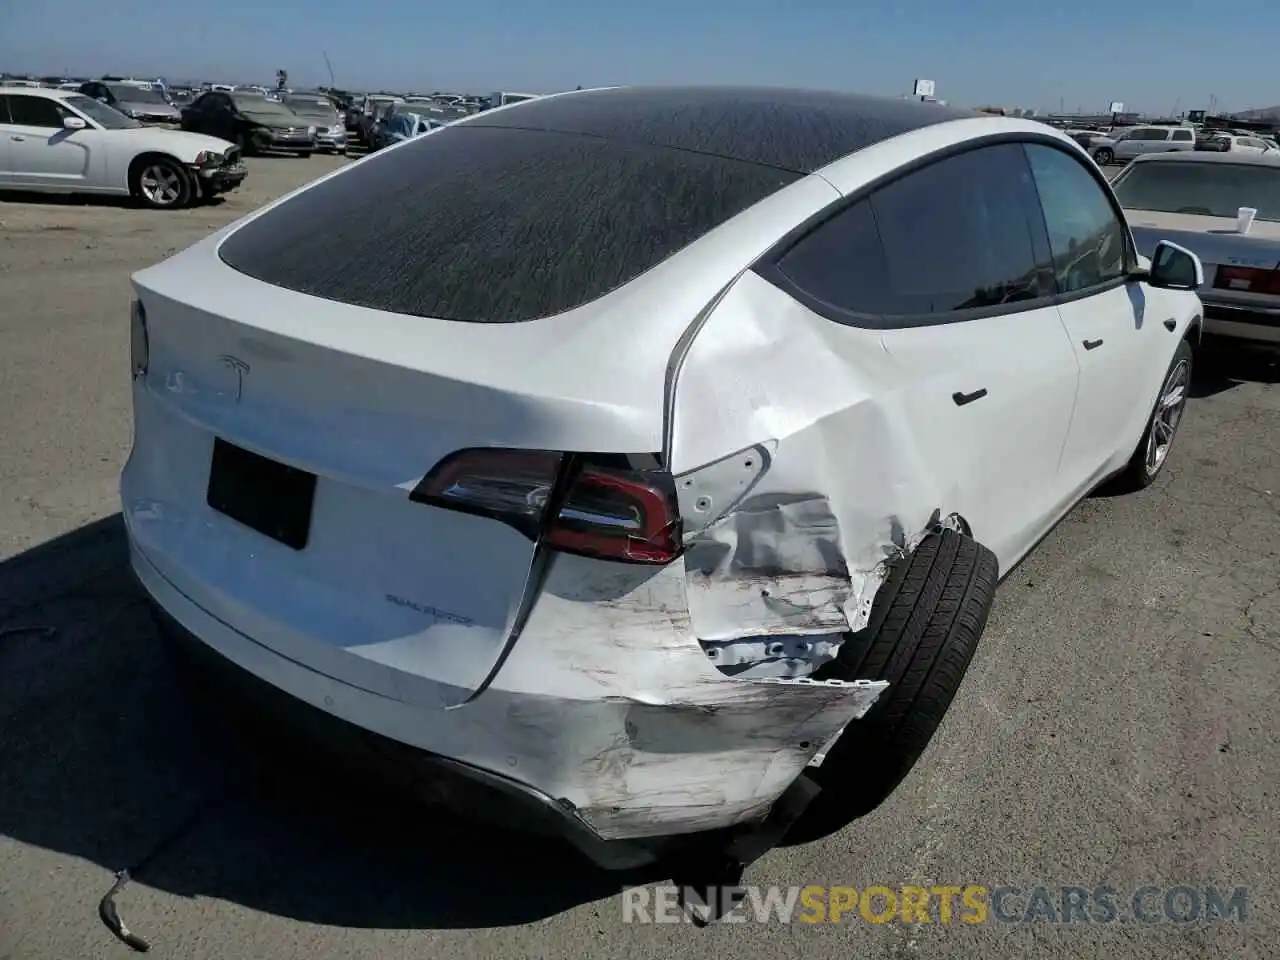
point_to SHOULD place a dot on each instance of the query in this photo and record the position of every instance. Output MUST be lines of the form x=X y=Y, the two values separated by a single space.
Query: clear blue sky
x=1036 y=53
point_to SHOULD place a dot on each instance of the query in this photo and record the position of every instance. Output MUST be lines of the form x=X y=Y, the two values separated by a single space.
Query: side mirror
x=73 y=123
x=1175 y=268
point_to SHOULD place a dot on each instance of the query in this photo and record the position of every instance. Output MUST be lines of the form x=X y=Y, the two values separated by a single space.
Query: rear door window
x=965 y=233
x=1183 y=135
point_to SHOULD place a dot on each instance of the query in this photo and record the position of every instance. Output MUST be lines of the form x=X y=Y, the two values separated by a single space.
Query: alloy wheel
x=1167 y=416
x=161 y=184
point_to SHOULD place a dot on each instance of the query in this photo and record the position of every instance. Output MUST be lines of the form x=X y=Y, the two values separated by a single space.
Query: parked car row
x=1124 y=144
x=258 y=123
x=61 y=141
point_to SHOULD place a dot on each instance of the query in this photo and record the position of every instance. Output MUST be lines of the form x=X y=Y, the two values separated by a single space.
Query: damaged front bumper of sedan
x=215 y=174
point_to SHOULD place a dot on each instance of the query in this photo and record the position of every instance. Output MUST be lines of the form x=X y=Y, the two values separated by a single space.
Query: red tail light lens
x=604 y=507
x=618 y=514
x=1248 y=280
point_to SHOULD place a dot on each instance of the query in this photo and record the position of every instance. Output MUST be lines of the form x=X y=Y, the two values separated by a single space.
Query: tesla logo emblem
x=240 y=367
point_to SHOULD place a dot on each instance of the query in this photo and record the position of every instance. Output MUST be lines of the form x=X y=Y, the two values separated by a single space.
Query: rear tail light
x=596 y=506
x=1248 y=279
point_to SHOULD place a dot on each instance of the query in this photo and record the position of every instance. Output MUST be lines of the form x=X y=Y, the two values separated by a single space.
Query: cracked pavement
x=1117 y=726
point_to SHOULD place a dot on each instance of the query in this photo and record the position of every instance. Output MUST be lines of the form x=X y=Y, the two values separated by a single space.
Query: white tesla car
x=649 y=456
x=60 y=141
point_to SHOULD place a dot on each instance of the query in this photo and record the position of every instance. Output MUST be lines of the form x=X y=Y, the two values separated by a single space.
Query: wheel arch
x=136 y=164
x=1195 y=331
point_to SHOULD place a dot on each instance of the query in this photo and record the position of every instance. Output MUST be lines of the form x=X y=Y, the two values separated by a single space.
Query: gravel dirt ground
x=1116 y=728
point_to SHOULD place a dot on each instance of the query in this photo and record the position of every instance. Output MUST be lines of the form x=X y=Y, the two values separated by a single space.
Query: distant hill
x=1262 y=113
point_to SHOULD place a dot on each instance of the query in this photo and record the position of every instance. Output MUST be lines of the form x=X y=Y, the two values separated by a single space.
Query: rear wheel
x=924 y=629
x=1104 y=155
x=162 y=183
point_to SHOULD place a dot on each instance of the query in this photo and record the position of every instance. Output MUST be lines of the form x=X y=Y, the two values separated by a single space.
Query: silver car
x=144 y=104
x=319 y=111
x=1225 y=208
x=1122 y=147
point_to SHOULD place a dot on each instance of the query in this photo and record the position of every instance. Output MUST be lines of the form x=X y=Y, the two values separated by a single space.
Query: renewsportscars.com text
x=959 y=904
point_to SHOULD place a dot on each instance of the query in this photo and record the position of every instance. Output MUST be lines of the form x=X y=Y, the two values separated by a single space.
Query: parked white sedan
x=647 y=456
x=60 y=141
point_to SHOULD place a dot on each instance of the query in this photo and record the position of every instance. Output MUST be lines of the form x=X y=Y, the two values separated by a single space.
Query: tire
x=1104 y=156
x=924 y=629
x=1147 y=460
x=161 y=183
x=304 y=154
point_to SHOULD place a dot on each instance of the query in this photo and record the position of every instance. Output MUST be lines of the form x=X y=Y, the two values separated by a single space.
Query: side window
x=34 y=112
x=964 y=233
x=1086 y=235
x=841 y=263
x=1155 y=134
x=1183 y=135
x=961 y=234
x=4 y=109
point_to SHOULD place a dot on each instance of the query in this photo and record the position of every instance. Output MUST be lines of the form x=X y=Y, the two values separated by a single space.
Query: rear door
x=6 y=162
x=1183 y=138
x=1140 y=140
x=949 y=266
x=1112 y=336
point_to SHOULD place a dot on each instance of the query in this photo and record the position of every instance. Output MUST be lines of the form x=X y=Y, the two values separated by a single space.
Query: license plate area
x=272 y=498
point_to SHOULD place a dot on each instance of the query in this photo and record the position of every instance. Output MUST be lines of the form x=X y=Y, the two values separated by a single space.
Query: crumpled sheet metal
x=644 y=736
x=794 y=498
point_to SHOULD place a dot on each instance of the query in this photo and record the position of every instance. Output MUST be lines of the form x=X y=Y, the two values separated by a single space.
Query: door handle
x=962 y=398
x=17 y=138
x=1171 y=325
x=1092 y=344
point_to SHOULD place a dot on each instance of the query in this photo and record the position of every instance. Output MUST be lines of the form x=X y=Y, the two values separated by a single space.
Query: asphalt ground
x=1116 y=728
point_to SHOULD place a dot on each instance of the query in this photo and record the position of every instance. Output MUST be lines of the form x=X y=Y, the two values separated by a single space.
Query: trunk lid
x=389 y=586
x=1217 y=243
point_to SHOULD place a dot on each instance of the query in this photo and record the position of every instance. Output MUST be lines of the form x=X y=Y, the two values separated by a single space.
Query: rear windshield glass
x=1208 y=189
x=494 y=225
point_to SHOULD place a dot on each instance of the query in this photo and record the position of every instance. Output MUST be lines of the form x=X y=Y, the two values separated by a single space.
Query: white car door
x=1143 y=140
x=5 y=128
x=1103 y=313
x=935 y=291
x=43 y=155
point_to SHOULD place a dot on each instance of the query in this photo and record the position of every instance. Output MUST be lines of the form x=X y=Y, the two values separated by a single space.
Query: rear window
x=1209 y=189
x=492 y=225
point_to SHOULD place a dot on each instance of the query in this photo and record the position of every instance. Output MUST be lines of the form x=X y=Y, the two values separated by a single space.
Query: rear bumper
x=606 y=702
x=325 y=739
x=1240 y=322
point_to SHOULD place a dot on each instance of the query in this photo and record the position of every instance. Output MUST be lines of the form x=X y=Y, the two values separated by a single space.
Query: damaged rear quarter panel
x=608 y=701
x=835 y=489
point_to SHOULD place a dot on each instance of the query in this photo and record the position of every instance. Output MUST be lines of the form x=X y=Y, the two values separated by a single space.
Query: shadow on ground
x=89 y=200
x=101 y=758
x=1222 y=364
